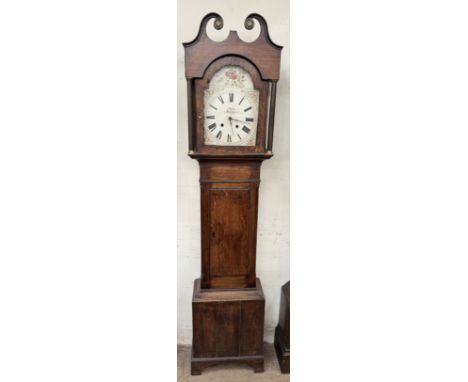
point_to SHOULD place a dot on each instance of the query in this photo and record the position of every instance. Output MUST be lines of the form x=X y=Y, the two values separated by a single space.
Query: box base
x=227 y=327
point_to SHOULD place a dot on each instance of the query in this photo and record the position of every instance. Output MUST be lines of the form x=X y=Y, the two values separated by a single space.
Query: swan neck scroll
x=218 y=25
x=262 y=52
x=264 y=34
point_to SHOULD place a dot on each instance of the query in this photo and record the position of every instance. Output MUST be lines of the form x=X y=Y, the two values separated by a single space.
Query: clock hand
x=238 y=120
x=230 y=121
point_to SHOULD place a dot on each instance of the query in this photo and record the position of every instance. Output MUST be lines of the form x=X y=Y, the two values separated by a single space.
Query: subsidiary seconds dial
x=230 y=118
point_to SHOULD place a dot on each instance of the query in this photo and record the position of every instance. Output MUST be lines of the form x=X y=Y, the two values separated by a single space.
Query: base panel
x=227 y=327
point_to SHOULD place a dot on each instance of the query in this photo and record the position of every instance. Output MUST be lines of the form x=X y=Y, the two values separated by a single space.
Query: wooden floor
x=230 y=373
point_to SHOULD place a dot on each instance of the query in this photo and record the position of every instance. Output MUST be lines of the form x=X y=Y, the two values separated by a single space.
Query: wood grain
x=229 y=204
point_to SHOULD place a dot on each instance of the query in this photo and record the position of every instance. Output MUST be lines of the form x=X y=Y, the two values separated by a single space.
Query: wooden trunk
x=227 y=327
x=229 y=204
x=282 y=331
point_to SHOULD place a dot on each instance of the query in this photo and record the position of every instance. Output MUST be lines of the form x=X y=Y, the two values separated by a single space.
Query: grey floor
x=230 y=373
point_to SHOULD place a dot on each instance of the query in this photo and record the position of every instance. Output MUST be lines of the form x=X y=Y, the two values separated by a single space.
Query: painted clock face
x=231 y=109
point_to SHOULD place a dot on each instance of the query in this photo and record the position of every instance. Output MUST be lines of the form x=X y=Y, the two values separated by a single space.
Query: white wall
x=273 y=219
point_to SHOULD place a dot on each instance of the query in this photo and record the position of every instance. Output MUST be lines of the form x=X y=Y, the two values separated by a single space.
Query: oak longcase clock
x=231 y=93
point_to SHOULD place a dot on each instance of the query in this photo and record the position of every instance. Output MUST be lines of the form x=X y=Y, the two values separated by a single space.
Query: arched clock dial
x=231 y=109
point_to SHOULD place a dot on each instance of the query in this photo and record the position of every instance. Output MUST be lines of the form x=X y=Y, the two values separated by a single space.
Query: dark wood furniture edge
x=282 y=352
x=281 y=343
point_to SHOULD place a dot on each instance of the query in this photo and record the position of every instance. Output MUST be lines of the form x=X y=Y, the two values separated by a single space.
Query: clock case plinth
x=227 y=327
x=228 y=305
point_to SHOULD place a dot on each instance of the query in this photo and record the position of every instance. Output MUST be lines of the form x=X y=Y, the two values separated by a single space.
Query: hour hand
x=230 y=122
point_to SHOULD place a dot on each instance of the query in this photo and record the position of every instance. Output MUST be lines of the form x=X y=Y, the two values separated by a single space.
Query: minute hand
x=238 y=120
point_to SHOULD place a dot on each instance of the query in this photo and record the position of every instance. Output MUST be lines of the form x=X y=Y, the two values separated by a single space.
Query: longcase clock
x=231 y=92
